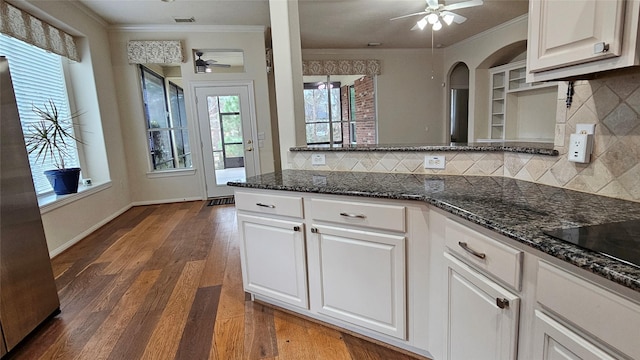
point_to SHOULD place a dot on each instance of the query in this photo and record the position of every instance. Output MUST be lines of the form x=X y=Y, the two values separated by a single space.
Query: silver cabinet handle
x=466 y=248
x=358 y=216
x=296 y=228
x=502 y=303
x=314 y=230
x=265 y=205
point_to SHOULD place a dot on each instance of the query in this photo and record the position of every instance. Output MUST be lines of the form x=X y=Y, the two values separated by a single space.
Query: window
x=166 y=119
x=37 y=77
x=352 y=118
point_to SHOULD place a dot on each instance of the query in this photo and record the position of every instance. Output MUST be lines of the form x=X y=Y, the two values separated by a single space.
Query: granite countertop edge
x=526 y=148
x=612 y=269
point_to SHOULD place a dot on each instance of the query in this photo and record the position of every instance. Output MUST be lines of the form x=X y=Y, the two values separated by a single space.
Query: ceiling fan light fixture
x=448 y=19
x=437 y=26
x=432 y=18
x=422 y=23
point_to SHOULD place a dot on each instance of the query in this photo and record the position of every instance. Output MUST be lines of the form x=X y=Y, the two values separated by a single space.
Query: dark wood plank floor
x=164 y=282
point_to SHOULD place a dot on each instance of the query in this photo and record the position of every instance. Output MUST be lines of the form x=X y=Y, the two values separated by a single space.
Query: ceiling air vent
x=184 y=20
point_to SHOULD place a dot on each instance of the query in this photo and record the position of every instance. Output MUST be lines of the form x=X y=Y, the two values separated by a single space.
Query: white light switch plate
x=434 y=162
x=318 y=159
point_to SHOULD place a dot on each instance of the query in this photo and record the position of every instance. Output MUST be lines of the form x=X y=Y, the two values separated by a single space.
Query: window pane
x=177 y=106
x=37 y=88
x=317 y=133
x=232 y=128
x=230 y=104
x=234 y=150
x=161 y=149
x=154 y=99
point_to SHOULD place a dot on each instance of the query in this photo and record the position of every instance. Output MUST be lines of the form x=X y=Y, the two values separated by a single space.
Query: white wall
x=95 y=95
x=409 y=102
x=145 y=188
x=475 y=52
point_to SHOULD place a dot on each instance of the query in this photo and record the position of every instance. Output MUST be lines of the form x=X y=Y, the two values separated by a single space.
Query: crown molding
x=188 y=28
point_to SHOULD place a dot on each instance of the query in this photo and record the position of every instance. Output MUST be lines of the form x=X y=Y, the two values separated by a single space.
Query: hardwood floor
x=164 y=282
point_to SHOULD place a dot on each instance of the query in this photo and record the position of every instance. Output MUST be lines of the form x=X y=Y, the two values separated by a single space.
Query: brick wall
x=365 y=111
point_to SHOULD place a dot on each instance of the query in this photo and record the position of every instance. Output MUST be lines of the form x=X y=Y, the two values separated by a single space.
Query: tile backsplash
x=611 y=102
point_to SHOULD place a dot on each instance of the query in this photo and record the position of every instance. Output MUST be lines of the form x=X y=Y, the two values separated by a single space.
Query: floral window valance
x=21 y=25
x=341 y=67
x=154 y=52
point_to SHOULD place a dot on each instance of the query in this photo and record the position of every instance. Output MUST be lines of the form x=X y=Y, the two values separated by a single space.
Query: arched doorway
x=459 y=103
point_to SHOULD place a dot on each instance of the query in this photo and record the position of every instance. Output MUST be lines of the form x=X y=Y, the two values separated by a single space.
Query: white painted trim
x=188 y=28
x=57 y=251
x=166 y=201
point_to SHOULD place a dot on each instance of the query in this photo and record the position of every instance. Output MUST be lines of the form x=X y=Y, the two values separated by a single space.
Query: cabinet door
x=482 y=321
x=360 y=278
x=563 y=33
x=552 y=341
x=273 y=259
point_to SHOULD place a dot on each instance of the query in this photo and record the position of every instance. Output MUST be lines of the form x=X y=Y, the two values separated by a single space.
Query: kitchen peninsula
x=449 y=239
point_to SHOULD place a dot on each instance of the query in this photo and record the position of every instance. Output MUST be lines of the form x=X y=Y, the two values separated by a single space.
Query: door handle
x=250 y=148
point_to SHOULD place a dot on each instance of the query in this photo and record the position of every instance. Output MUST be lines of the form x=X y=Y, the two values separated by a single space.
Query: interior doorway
x=227 y=127
x=459 y=103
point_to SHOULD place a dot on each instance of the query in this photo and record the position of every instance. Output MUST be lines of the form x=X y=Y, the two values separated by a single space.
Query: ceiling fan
x=203 y=66
x=435 y=14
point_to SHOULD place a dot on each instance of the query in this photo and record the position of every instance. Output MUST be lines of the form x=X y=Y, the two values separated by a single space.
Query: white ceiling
x=324 y=24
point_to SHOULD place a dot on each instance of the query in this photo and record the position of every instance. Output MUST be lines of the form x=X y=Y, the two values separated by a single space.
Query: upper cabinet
x=573 y=38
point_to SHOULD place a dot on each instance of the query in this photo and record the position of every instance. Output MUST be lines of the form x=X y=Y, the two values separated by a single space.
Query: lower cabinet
x=482 y=317
x=359 y=277
x=273 y=258
x=553 y=341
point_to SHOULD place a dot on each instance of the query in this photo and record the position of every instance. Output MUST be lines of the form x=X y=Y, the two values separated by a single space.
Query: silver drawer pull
x=267 y=206
x=358 y=216
x=471 y=251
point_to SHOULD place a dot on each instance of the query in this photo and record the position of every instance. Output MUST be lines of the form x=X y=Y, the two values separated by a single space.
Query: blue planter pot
x=64 y=181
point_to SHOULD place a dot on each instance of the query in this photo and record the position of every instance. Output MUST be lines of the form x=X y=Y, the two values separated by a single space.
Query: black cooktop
x=620 y=240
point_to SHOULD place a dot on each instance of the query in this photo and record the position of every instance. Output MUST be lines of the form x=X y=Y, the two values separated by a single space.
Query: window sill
x=52 y=201
x=170 y=173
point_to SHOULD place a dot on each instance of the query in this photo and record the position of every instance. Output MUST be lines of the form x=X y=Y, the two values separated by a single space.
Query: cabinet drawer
x=608 y=317
x=269 y=204
x=497 y=259
x=388 y=217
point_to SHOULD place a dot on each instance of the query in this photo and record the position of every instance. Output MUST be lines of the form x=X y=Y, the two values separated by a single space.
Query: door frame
x=249 y=85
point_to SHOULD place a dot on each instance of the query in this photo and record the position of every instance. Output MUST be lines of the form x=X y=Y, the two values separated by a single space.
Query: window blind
x=37 y=76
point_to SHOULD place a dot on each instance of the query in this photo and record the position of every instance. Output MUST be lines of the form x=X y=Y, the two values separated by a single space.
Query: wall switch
x=434 y=162
x=580 y=147
x=318 y=159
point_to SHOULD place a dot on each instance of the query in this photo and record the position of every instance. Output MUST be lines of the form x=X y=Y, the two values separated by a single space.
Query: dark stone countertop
x=518 y=147
x=518 y=209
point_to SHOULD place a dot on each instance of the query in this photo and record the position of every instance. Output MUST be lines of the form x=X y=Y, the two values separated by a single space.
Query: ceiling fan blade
x=433 y=4
x=410 y=15
x=462 y=5
x=458 y=19
x=220 y=65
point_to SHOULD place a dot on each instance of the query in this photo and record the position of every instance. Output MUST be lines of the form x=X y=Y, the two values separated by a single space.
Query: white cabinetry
x=482 y=316
x=592 y=315
x=553 y=341
x=272 y=248
x=520 y=110
x=571 y=38
x=357 y=274
x=359 y=277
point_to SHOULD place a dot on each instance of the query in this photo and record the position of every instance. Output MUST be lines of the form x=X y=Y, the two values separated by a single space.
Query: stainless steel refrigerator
x=28 y=293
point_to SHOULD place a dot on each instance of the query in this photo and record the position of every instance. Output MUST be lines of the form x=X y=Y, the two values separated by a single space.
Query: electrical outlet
x=318 y=159
x=434 y=162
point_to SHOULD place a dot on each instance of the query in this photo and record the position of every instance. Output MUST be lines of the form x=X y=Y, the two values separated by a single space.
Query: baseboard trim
x=57 y=251
x=166 y=201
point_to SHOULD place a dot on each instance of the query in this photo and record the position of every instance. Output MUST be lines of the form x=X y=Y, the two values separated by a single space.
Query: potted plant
x=51 y=137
